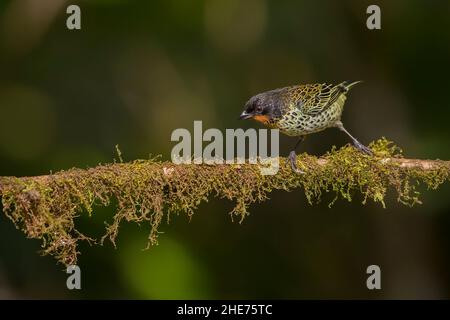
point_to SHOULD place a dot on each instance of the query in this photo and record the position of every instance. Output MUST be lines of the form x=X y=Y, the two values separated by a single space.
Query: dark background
x=139 y=69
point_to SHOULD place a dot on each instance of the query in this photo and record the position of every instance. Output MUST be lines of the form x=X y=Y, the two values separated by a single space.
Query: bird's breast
x=295 y=123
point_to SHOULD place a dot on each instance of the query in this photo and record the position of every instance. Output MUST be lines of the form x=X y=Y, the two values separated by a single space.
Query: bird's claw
x=358 y=145
x=293 y=161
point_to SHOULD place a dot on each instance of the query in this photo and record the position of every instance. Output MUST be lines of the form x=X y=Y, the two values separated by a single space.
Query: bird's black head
x=263 y=107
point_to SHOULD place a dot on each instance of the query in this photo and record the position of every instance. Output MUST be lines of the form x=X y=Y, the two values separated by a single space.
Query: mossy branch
x=46 y=207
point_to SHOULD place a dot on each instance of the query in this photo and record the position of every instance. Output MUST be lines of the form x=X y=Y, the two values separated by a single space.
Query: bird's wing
x=313 y=99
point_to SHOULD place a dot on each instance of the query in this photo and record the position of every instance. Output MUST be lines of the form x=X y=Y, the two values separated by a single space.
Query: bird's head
x=263 y=107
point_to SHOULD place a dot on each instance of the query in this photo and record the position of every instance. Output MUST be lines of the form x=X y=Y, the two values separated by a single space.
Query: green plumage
x=310 y=108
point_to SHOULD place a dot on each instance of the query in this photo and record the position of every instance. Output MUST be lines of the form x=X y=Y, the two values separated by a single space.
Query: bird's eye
x=258 y=109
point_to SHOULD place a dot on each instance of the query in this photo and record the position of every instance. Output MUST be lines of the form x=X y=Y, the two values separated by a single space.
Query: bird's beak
x=244 y=115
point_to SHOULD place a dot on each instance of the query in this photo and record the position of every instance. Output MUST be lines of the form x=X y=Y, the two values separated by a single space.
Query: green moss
x=151 y=190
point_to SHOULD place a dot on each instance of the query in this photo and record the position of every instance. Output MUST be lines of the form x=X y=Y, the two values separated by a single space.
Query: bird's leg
x=293 y=157
x=358 y=145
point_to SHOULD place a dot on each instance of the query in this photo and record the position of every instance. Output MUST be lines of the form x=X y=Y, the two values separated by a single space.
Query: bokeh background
x=139 y=69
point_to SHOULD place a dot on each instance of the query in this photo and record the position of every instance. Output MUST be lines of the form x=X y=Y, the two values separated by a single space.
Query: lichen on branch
x=46 y=207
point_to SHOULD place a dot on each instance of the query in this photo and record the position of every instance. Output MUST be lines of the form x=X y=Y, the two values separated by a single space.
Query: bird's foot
x=358 y=145
x=293 y=161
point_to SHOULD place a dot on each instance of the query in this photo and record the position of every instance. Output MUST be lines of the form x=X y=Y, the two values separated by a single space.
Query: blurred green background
x=139 y=69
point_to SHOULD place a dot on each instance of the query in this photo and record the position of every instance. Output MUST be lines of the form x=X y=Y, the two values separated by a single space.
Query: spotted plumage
x=301 y=110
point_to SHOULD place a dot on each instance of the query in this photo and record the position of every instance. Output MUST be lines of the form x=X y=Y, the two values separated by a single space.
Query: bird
x=300 y=110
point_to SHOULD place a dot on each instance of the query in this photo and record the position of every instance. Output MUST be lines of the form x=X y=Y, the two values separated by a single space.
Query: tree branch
x=46 y=207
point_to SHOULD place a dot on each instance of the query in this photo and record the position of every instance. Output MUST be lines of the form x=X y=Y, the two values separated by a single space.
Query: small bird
x=301 y=110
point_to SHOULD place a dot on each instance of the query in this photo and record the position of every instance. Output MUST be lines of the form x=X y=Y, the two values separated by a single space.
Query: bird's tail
x=346 y=85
